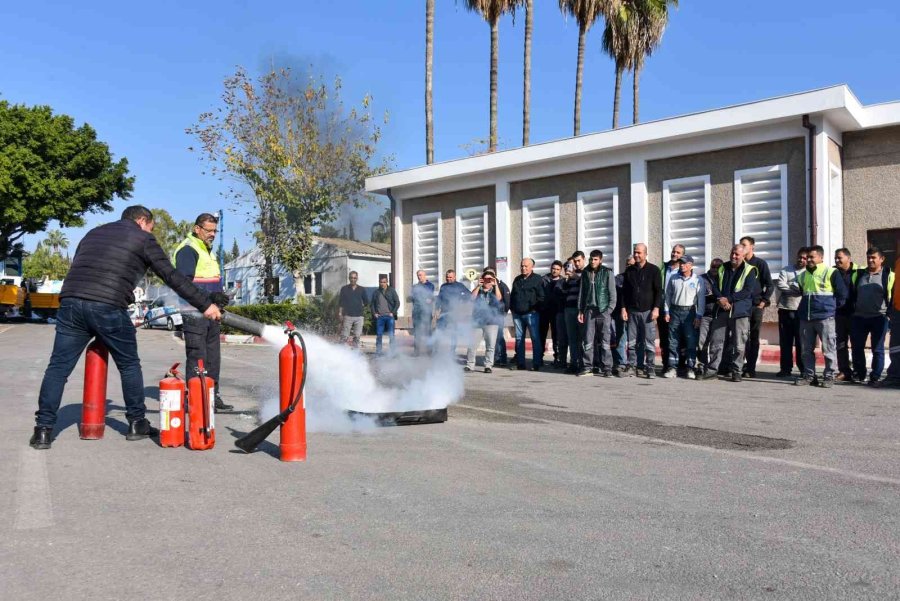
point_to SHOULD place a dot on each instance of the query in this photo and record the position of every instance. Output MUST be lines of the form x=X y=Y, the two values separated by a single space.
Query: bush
x=314 y=314
x=305 y=313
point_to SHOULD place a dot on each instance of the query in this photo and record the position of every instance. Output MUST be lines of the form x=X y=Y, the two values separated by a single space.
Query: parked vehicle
x=161 y=314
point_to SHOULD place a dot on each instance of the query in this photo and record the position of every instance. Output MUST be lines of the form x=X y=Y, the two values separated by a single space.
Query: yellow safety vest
x=207 y=271
x=748 y=268
x=817 y=283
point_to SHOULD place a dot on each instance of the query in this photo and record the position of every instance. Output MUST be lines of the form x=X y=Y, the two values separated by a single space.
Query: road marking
x=33 y=506
x=684 y=445
x=5 y=328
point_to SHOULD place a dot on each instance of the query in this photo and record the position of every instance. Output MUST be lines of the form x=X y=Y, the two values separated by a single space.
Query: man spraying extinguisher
x=195 y=259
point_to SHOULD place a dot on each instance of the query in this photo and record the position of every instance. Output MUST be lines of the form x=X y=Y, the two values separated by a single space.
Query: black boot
x=140 y=429
x=41 y=438
x=220 y=405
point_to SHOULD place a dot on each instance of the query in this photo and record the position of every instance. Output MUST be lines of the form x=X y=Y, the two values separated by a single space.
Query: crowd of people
x=707 y=322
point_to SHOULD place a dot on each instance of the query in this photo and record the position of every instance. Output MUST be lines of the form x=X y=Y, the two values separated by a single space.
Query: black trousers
x=548 y=325
x=842 y=330
x=201 y=341
x=789 y=340
x=751 y=352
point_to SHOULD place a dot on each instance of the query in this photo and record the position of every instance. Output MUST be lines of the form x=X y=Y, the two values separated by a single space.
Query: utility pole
x=221 y=216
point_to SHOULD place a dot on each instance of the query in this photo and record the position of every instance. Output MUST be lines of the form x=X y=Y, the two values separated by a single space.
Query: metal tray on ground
x=405 y=418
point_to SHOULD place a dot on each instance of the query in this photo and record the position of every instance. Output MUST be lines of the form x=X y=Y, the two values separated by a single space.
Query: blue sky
x=140 y=73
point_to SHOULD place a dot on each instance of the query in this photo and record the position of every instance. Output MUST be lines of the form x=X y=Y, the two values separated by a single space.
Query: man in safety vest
x=195 y=259
x=823 y=292
x=842 y=317
x=737 y=290
x=893 y=372
x=870 y=296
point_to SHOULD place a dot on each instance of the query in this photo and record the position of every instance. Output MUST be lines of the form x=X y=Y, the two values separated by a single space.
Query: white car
x=162 y=315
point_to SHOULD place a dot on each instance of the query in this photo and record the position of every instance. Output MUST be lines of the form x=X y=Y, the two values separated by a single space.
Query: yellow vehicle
x=17 y=301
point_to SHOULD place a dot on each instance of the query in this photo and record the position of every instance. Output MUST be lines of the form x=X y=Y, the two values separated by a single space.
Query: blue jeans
x=532 y=322
x=500 y=355
x=77 y=322
x=384 y=324
x=682 y=334
x=860 y=329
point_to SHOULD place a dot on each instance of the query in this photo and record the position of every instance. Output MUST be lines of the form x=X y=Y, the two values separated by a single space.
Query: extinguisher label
x=212 y=407
x=169 y=400
x=163 y=420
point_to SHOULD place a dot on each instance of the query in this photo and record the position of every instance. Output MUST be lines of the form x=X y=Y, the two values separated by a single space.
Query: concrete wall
x=446 y=204
x=720 y=166
x=567 y=187
x=871 y=184
x=368 y=268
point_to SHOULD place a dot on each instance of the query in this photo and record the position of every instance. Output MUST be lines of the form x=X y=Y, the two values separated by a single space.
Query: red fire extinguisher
x=93 y=406
x=171 y=409
x=201 y=417
x=292 y=376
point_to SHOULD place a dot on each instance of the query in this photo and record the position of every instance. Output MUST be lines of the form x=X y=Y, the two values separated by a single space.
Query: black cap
x=686 y=259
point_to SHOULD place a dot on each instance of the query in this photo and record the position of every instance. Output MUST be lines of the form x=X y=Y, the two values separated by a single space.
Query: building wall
x=871 y=184
x=368 y=268
x=720 y=166
x=567 y=187
x=446 y=204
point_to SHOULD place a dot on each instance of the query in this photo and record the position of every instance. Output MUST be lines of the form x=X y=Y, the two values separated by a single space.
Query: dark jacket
x=570 y=288
x=846 y=310
x=422 y=299
x=552 y=304
x=710 y=299
x=591 y=291
x=724 y=286
x=390 y=295
x=527 y=294
x=764 y=277
x=112 y=258
x=642 y=288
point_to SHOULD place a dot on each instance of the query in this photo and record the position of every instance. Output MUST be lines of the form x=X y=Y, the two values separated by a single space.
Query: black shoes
x=42 y=438
x=221 y=406
x=710 y=375
x=488 y=370
x=140 y=429
x=736 y=376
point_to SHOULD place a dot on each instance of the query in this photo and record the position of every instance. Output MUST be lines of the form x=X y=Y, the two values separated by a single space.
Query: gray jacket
x=789 y=293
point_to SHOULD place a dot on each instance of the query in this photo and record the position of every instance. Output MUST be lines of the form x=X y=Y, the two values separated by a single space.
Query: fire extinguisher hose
x=254 y=438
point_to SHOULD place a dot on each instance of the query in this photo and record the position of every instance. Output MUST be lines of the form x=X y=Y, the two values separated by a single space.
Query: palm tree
x=585 y=13
x=429 y=59
x=652 y=16
x=381 y=229
x=526 y=79
x=57 y=241
x=618 y=41
x=491 y=11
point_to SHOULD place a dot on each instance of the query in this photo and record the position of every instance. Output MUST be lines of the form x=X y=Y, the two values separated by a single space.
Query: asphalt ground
x=539 y=486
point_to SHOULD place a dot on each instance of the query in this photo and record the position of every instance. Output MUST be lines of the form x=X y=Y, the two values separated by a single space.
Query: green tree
x=651 y=18
x=328 y=231
x=45 y=263
x=585 y=13
x=51 y=170
x=491 y=11
x=168 y=232
x=235 y=251
x=297 y=150
x=618 y=43
x=57 y=241
x=381 y=229
x=526 y=75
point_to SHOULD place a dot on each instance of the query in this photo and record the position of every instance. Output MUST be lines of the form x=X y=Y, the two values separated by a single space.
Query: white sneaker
x=670 y=373
x=691 y=375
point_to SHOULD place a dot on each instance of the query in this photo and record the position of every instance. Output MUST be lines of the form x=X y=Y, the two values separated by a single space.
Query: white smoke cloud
x=341 y=379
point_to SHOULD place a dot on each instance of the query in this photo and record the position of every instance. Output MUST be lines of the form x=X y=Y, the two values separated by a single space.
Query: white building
x=332 y=261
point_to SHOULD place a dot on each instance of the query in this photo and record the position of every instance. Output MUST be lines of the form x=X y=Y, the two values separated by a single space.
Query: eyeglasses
x=213 y=231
